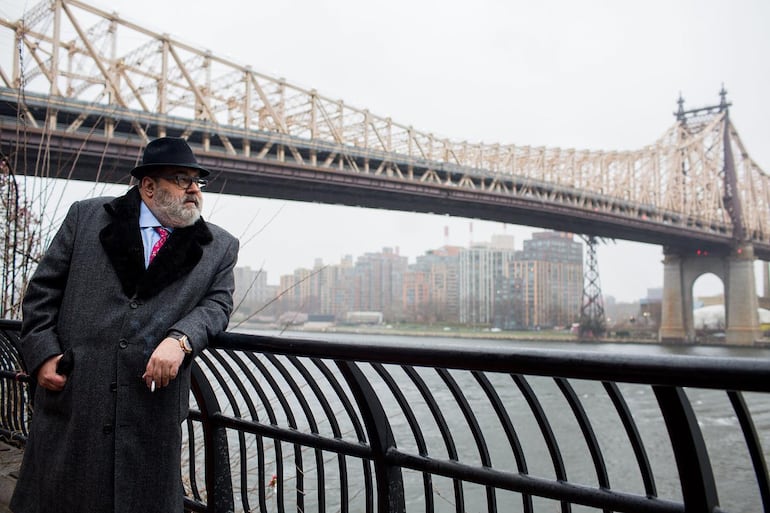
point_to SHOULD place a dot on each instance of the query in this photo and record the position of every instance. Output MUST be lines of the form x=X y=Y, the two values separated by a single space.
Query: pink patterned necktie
x=163 y=233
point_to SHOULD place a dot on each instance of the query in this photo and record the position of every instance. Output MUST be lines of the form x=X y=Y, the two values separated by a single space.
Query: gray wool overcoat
x=106 y=443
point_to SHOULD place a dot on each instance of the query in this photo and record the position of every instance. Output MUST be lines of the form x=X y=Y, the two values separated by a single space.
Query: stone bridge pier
x=736 y=270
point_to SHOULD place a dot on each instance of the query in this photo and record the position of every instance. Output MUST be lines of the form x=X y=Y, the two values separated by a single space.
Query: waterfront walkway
x=10 y=459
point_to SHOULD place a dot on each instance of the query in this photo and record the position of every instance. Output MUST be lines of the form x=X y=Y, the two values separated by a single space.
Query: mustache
x=194 y=198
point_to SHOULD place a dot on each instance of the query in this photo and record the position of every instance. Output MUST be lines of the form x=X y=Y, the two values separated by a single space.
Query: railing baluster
x=224 y=386
x=753 y=444
x=332 y=380
x=250 y=377
x=191 y=445
x=443 y=428
x=510 y=431
x=219 y=486
x=254 y=383
x=312 y=425
x=475 y=428
x=262 y=477
x=330 y=416
x=289 y=412
x=633 y=437
x=545 y=428
x=390 y=483
x=699 y=490
x=588 y=432
x=414 y=426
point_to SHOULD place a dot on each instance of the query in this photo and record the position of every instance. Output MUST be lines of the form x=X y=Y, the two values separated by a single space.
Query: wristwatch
x=184 y=342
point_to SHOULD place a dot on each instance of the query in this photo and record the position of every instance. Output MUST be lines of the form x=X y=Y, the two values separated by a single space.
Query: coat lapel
x=122 y=242
x=177 y=258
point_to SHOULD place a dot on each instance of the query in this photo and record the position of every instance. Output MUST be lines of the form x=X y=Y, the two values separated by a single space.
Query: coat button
x=113 y=387
x=123 y=343
x=133 y=304
x=107 y=429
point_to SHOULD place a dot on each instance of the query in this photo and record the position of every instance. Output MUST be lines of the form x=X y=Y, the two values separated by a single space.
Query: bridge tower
x=682 y=266
x=592 y=321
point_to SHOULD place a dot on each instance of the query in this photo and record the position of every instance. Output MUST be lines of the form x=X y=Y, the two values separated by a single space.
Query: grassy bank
x=458 y=332
x=415 y=330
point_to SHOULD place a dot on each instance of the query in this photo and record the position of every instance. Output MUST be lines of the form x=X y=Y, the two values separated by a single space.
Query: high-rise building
x=317 y=285
x=248 y=284
x=378 y=282
x=550 y=274
x=334 y=284
x=481 y=268
x=415 y=298
x=252 y=293
x=431 y=286
x=289 y=299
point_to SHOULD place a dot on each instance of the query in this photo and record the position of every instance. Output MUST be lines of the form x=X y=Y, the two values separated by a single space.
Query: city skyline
x=488 y=284
x=274 y=279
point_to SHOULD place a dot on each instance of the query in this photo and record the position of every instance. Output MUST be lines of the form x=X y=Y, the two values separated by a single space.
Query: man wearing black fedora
x=128 y=293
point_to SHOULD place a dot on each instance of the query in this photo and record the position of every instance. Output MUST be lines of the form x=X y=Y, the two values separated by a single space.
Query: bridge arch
x=681 y=269
x=708 y=292
x=704 y=285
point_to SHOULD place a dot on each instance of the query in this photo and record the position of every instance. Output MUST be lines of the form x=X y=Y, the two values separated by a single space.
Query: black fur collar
x=122 y=242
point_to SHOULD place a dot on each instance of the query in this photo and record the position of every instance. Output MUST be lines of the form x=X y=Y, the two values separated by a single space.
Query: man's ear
x=147 y=185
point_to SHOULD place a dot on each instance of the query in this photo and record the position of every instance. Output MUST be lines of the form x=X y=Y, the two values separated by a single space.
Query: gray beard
x=176 y=212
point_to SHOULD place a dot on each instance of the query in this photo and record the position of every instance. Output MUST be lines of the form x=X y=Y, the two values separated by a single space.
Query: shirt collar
x=146 y=218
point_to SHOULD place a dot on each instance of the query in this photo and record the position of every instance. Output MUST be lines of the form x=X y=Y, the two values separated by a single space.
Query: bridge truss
x=696 y=178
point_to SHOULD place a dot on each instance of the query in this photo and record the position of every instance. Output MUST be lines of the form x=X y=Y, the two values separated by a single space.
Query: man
x=111 y=322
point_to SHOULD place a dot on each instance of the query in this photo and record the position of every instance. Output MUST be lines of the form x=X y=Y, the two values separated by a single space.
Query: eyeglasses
x=185 y=181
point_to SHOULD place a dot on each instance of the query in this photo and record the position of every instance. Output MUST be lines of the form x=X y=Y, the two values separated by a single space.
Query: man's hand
x=47 y=376
x=164 y=363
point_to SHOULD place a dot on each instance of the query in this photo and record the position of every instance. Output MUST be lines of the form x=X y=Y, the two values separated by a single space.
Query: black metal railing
x=15 y=389
x=284 y=424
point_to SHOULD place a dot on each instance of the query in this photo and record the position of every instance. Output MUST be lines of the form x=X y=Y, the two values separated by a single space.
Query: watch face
x=185 y=344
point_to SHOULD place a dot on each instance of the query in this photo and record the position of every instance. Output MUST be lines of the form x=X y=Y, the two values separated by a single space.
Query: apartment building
x=481 y=268
x=549 y=275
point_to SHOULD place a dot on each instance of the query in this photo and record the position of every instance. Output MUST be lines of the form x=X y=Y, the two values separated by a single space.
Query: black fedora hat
x=165 y=152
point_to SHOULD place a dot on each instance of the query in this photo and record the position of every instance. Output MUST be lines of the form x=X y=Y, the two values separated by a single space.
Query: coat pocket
x=54 y=403
x=66 y=363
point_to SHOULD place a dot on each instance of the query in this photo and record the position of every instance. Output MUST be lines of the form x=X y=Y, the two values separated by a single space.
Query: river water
x=737 y=488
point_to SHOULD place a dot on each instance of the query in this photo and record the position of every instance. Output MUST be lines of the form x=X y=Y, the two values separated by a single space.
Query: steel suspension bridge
x=79 y=74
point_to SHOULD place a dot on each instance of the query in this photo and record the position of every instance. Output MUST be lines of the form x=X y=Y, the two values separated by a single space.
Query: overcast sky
x=599 y=75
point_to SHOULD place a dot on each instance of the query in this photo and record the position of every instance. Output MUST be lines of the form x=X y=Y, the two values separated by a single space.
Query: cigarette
x=152 y=386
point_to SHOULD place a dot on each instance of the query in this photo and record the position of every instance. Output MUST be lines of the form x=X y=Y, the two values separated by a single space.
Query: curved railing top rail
x=749 y=374
x=737 y=373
